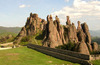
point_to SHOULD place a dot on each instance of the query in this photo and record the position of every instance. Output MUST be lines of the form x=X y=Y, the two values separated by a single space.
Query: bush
x=95 y=52
x=69 y=46
x=23 y=43
x=26 y=39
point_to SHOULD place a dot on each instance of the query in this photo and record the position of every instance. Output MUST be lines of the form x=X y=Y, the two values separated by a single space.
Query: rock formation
x=82 y=48
x=95 y=46
x=57 y=34
x=34 y=24
x=52 y=38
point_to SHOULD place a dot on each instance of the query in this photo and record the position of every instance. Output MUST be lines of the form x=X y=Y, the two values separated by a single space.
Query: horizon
x=15 y=13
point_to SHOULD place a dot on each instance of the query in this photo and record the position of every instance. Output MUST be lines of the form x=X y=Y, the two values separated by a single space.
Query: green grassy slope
x=9 y=30
x=96 y=62
x=26 y=56
x=35 y=39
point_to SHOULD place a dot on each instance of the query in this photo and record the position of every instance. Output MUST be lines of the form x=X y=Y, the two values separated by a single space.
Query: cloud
x=66 y=0
x=23 y=6
x=79 y=10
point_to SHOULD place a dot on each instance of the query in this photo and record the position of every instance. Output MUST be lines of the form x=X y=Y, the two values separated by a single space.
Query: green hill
x=9 y=30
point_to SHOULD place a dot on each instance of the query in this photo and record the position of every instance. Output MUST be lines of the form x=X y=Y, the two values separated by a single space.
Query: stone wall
x=65 y=52
x=60 y=54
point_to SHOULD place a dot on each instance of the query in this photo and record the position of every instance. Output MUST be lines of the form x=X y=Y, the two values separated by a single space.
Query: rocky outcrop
x=59 y=29
x=57 y=34
x=82 y=48
x=86 y=31
x=52 y=38
x=70 y=32
x=68 y=21
x=33 y=25
x=95 y=46
x=79 y=25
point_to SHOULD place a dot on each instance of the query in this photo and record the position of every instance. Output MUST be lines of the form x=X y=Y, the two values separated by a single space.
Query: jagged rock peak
x=68 y=21
x=56 y=18
x=79 y=25
x=34 y=15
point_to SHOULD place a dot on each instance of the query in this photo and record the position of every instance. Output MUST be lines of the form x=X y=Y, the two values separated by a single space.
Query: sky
x=14 y=13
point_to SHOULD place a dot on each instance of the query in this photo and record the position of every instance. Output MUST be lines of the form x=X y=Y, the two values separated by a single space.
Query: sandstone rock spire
x=52 y=38
x=79 y=25
x=68 y=21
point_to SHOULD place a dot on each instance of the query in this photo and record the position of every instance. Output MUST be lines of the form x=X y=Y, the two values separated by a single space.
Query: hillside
x=95 y=33
x=9 y=30
x=96 y=39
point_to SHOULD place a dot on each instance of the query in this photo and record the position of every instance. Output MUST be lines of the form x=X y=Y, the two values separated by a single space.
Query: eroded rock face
x=87 y=33
x=52 y=38
x=60 y=29
x=33 y=25
x=82 y=48
x=70 y=32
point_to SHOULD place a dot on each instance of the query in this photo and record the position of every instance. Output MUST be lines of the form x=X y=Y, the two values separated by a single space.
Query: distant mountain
x=9 y=30
x=17 y=30
x=95 y=33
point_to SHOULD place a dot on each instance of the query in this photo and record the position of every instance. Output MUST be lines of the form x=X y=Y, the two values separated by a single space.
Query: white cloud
x=23 y=6
x=79 y=10
x=66 y=0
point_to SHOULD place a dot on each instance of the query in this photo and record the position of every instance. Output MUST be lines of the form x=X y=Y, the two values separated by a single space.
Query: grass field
x=96 y=62
x=26 y=56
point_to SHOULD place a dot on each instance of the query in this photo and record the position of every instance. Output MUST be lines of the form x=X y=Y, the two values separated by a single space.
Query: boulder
x=95 y=46
x=81 y=35
x=82 y=48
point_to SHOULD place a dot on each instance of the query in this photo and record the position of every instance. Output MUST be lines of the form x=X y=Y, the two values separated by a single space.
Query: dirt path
x=5 y=48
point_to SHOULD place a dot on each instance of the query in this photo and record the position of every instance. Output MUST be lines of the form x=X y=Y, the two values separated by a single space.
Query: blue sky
x=15 y=12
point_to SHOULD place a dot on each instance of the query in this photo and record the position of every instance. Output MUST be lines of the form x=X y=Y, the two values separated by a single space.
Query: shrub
x=23 y=43
x=69 y=46
x=26 y=39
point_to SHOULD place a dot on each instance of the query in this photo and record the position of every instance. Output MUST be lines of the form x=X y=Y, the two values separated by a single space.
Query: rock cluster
x=34 y=24
x=57 y=34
